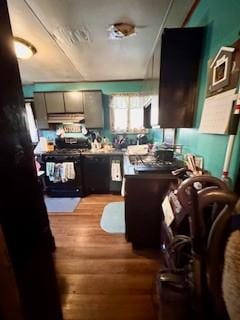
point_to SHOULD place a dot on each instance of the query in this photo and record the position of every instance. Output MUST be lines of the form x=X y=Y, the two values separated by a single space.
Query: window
x=154 y=111
x=127 y=113
x=31 y=123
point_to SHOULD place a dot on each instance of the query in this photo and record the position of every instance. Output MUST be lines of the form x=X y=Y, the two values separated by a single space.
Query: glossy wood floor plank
x=100 y=276
x=132 y=307
x=106 y=266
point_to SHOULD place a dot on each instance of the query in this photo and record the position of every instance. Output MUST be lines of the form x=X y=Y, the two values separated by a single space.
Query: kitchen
x=99 y=274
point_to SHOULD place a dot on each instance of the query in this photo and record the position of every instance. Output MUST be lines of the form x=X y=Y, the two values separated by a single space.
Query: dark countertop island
x=144 y=193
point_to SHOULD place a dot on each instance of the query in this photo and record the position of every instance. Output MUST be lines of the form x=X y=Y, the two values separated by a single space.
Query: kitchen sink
x=136 y=159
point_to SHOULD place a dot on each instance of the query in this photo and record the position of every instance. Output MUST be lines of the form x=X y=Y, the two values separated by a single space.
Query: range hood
x=65 y=117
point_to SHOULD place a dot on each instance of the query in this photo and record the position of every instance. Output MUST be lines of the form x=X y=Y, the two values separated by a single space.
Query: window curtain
x=127 y=112
x=31 y=123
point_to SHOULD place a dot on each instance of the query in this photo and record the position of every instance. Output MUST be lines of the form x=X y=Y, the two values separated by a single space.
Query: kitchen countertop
x=102 y=152
x=128 y=163
x=129 y=170
x=90 y=152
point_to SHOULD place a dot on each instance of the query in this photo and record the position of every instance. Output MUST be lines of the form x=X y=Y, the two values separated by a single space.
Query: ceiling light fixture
x=121 y=30
x=24 y=49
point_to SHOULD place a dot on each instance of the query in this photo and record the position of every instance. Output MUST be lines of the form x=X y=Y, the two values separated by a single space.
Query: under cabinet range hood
x=65 y=117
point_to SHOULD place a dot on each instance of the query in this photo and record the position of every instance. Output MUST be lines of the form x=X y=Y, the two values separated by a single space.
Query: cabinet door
x=73 y=101
x=93 y=109
x=96 y=173
x=40 y=110
x=54 y=102
x=143 y=210
x=180 y=58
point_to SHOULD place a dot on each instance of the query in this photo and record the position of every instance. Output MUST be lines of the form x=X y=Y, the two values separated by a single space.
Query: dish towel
x=68 y=171
x=57 y=173
x=50 y=168
x=116 y=171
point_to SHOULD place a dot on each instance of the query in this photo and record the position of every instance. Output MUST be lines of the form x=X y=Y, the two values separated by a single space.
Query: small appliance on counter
x=142 y=139
x=163 y=161
x=164 y=155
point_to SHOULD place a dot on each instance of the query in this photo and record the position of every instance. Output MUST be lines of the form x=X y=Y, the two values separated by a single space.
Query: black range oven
x=71 y=187
x=68 y=150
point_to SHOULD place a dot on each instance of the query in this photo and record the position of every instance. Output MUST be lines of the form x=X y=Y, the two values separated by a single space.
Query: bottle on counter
x=95 y=144
x=105 y=141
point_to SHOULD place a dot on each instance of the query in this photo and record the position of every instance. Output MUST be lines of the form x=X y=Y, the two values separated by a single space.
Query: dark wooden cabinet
x=174 y=82
x=143 y=211
x=73 y=101
x=180 y=58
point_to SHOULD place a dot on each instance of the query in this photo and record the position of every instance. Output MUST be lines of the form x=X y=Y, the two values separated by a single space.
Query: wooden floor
x=100 y=276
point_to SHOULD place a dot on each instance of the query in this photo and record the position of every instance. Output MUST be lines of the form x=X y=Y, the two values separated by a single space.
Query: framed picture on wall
x=221 y=71
x=169 y=136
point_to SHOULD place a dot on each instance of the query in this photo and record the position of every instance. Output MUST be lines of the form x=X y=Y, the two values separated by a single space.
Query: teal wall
x=108 y=88
x=157 y=135
x=222 y=18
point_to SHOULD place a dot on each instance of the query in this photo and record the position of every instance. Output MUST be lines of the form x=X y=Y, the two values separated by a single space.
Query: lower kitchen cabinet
x=143 y=211
x=96 y=174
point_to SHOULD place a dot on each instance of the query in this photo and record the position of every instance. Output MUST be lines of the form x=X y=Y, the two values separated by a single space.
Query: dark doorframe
x=237 y=185
x=23 y=215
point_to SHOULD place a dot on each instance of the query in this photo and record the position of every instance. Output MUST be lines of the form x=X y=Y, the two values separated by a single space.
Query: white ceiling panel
x=72 y=40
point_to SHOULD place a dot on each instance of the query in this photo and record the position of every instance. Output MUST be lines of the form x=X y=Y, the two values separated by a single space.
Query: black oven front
x=69 y=188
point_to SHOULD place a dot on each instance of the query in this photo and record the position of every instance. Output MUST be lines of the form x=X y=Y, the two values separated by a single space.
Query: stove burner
x=155 y=165
x=65 y=151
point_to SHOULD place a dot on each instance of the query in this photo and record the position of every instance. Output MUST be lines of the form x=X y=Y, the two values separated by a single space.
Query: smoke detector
x=121 y=30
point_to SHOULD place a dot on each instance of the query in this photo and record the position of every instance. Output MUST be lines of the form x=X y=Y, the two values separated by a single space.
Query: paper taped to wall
x=217 y=112
x=167 y=211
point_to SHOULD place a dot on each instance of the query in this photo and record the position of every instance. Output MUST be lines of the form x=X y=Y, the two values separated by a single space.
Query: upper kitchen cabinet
x=54 y=102
x=40 y=110
x=93 y=109
x=180 y=58
x=73 y=101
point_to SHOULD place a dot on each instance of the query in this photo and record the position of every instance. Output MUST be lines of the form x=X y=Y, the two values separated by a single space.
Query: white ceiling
x=44 y=23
